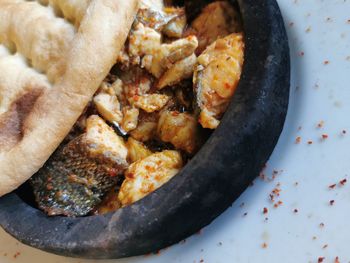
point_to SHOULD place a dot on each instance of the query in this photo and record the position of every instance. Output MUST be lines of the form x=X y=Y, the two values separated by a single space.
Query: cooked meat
x=216 y=78
x=180 y=129
x=181 y=70
x=77 y=177
x=109 y=107
x=145 y=131
x=130 y=119
x=137 y=150
x=151 y=102
x=217 y=20
x=176 y=27
x=147 y=175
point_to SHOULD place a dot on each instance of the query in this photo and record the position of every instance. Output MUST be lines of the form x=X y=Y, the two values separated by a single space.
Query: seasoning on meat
x=147 y=175
x=216 y=77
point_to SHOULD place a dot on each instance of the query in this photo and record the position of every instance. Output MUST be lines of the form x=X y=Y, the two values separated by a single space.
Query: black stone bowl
x=210 y=182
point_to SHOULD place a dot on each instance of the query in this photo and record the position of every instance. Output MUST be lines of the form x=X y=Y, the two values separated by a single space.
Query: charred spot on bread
x=12 y=123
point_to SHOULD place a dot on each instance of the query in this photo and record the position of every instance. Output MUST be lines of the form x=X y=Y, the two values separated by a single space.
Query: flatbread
x=54 y=54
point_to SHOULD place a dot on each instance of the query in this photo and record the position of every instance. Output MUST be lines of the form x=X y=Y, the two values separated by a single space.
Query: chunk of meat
x=217 y=20
x=109 y=107
x=130 y=119
x=216 y=78
x=180 y=129
x=181 y=70
x=145 y=131
x=145 y=176
x=137 y=150
x=151 y=102
x=176 y=27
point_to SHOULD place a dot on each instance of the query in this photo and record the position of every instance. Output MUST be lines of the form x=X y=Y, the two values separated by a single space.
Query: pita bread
x=54 y=54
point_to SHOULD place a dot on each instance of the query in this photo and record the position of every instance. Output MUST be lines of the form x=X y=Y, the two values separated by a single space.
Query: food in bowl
x=170 y=86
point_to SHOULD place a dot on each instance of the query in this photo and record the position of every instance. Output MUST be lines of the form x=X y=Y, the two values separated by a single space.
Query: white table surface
x=320 y=93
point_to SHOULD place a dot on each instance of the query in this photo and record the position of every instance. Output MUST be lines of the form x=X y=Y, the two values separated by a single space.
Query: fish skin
x=75 y=179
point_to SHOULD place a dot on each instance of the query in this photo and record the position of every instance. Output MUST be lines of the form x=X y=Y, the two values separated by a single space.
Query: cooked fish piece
x=217 y=20
x=136 y=150
x=216 y=77
x=176 y=27
x=109 y=107
x=77 y=177
x=180 y=129
x=145 y=176
x=130 y=119
x=145 y=131
x=181 y=70
x=151 y=102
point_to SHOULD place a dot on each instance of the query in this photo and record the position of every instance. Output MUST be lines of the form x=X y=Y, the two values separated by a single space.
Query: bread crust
x=49 y=113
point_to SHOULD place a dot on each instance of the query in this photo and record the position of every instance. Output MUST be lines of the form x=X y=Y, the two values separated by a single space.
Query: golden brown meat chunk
x=137 y=150
x=216 y=78
x=180 y=129
x=217 y=20
x=145 y=176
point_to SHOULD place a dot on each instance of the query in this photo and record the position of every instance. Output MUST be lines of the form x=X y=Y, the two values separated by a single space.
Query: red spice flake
x=324 y=136
x=175 y=113
x=326 y=62
x=322 y=225
x=325 y=246
x=343 y=182
x=264 y=245
x=136 y=97
x=309 y=142
x=301 y=53
x=298 y=140
x=296 y=210
x=321 y=259
x=331 y=202
x=279 y=203
x=336 y=260
x=17 y=254
x=265 y=210
x=332 y=186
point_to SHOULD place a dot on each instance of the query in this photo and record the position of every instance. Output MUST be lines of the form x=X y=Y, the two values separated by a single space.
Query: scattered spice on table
x=332 y=186
x=321 y=259
x=331 y=202
x=265 y=210
x=309 y=142
x=336 y=260
x=324 y=136
x=326 y=62
x=322 y=225
x=264 y=245
x=296 y=211
x=343 y=182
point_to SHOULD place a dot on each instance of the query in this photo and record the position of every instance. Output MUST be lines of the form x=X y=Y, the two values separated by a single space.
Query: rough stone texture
x=207 y=186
